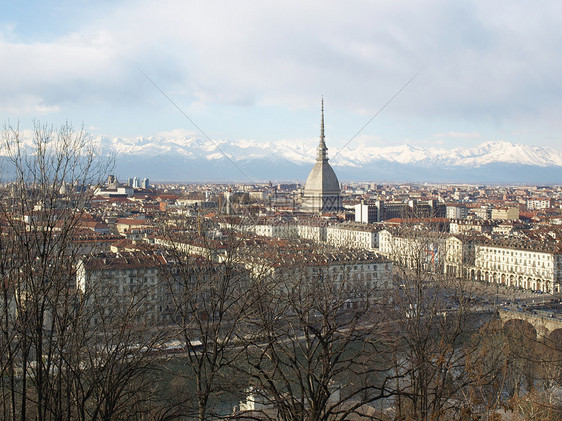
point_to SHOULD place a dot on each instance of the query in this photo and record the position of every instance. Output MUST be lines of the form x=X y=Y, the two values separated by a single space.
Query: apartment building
x=526 y=265
x=353 y=235
x=112 y=282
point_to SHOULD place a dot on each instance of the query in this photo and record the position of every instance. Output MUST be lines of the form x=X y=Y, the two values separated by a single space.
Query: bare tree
x=435 y=321
x=208 y=291
x=56 y=362
x=319 y=349
x=116 y=345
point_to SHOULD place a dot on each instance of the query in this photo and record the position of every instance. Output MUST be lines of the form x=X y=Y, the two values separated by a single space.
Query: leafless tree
x=434 y=320
x=320 y=345
x=208 y=290
x=56 y=363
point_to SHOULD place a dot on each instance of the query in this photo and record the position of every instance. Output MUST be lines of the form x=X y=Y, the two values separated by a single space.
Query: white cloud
x=177 y=133
x=459 y=135
x=479 y=61
x=26 y=104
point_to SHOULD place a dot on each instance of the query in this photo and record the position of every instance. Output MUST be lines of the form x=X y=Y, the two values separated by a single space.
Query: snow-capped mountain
x=185 y=158
x=483 y=154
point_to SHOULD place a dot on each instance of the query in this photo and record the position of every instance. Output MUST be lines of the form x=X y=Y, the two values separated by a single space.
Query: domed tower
x=322 y=188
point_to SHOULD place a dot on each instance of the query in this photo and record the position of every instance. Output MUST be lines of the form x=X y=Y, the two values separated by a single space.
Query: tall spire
x=322 y=149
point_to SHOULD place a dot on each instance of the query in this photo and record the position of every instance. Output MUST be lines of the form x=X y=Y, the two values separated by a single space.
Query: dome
x=322 y=188
x=322 y=178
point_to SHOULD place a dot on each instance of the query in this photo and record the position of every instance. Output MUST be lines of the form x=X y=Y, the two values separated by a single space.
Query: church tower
x=322 y=188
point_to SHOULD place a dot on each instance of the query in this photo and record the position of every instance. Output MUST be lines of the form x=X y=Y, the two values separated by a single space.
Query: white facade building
x=354 y=236
x=533 y=268
x=313 y=232
x=366 y=268
x=277 y=230
x=534 y=204
x=367 y=213
x=457 y=212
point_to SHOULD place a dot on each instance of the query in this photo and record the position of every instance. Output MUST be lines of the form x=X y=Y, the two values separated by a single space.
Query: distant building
x=338 y=266
x=457 y=212
x=414 y=249
x=470 y=226
x=314 y=231
x=145 y=184
x=353 y=236
x=543 y=203
x=115 y=192
x=276 y=229
x=258 y=195
x=395 y=210
x=322 y=188
x=134 y=228
x=367 y=213
x=483 y=212
x=504 y=213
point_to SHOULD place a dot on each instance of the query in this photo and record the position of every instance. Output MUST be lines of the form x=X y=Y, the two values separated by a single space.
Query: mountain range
x=190 y=159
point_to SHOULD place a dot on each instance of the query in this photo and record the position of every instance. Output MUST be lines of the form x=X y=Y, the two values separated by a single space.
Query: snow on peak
x=187 y=145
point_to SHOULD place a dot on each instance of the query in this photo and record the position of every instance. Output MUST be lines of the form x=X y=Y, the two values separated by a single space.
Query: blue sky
x=257 y=69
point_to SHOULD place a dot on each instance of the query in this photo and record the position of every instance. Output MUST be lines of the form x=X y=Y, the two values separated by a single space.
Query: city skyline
x=245 y=73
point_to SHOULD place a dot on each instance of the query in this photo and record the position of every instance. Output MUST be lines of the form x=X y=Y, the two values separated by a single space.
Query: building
x=520 y=264
x=110 y=281
x=145 y=184
x=457 y=212
x=341 y=267
x=395 y=210
x=505 y=213
x=115 y=192
x=276 y=228
x=352 y=236
x=367 y=213
x=414 y=249
x=313 y=230
x=322 y=188
x=539 y=203
x=470 y=226
x=134 y=228
x=483 y=212
x=460 y=255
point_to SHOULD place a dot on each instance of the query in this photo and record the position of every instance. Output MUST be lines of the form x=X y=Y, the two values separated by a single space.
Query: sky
x=456 y=73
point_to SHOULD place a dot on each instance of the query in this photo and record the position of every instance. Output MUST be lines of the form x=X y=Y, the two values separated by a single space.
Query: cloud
x=177 y=133
x=23 y=103
x=459 y=135
x=478 y=61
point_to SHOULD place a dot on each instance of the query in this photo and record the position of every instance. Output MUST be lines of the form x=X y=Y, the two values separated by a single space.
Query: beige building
x=505 y=213
x=523 y=265
x=277 y=229
x=313 y=231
